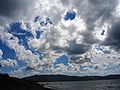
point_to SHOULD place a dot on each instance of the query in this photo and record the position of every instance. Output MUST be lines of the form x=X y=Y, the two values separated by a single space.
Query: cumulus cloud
x=76 y=48
x=9 y=62
x=0 y=56
x=80 y=59
x=21 y=52
x=95 y=13
x=1 y=53
x=75 y=38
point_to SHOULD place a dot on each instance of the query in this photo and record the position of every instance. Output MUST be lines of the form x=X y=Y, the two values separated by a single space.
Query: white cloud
x=1 y=53
x=9 y=62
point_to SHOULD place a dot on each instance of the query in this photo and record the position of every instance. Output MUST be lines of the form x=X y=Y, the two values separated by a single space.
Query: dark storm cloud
x=7 y=7
x=114 y=33
x=91 y=11
x=65 y=2
x=75 y=48
x=96 y=10
x=14 y=9
x=80 y=59
x=88 y=37
x=29 y=68
x=113 y=38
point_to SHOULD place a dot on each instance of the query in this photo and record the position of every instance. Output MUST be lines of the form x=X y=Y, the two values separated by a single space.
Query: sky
x=71 y=37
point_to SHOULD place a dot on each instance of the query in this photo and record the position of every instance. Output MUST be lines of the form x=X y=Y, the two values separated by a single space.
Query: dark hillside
x=10 y=83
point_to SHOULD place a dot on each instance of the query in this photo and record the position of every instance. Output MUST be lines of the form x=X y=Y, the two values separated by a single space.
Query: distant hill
x=57 y=78
x=10 y=83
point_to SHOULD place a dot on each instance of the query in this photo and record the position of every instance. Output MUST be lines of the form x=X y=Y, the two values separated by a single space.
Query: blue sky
x=68 y=37
x=7 y=52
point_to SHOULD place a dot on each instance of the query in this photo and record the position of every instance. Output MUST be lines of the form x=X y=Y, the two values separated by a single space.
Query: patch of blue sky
x=22 y=63
x=70 y=15
x=7 y=69
x=82 y=67
x=18 y=32
x=48 y=21
x=23 y=36
x=37 y=18
x=62 y=60
x=36 y=52
x=42 y=22
x=8 y=53
x=99 y=48
x=38 y=33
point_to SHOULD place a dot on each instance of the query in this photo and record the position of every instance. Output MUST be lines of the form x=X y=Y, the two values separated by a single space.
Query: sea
x=113 y=84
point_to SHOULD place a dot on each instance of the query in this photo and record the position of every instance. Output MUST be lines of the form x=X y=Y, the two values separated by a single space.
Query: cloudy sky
x=73 y=37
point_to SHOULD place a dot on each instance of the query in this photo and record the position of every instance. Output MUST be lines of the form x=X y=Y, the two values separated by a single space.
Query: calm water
x=84 y=85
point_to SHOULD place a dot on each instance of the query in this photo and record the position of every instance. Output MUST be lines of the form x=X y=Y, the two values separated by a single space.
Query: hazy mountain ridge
x=53 y=78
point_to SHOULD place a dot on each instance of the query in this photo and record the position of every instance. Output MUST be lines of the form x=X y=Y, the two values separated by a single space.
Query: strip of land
x=59 y=78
